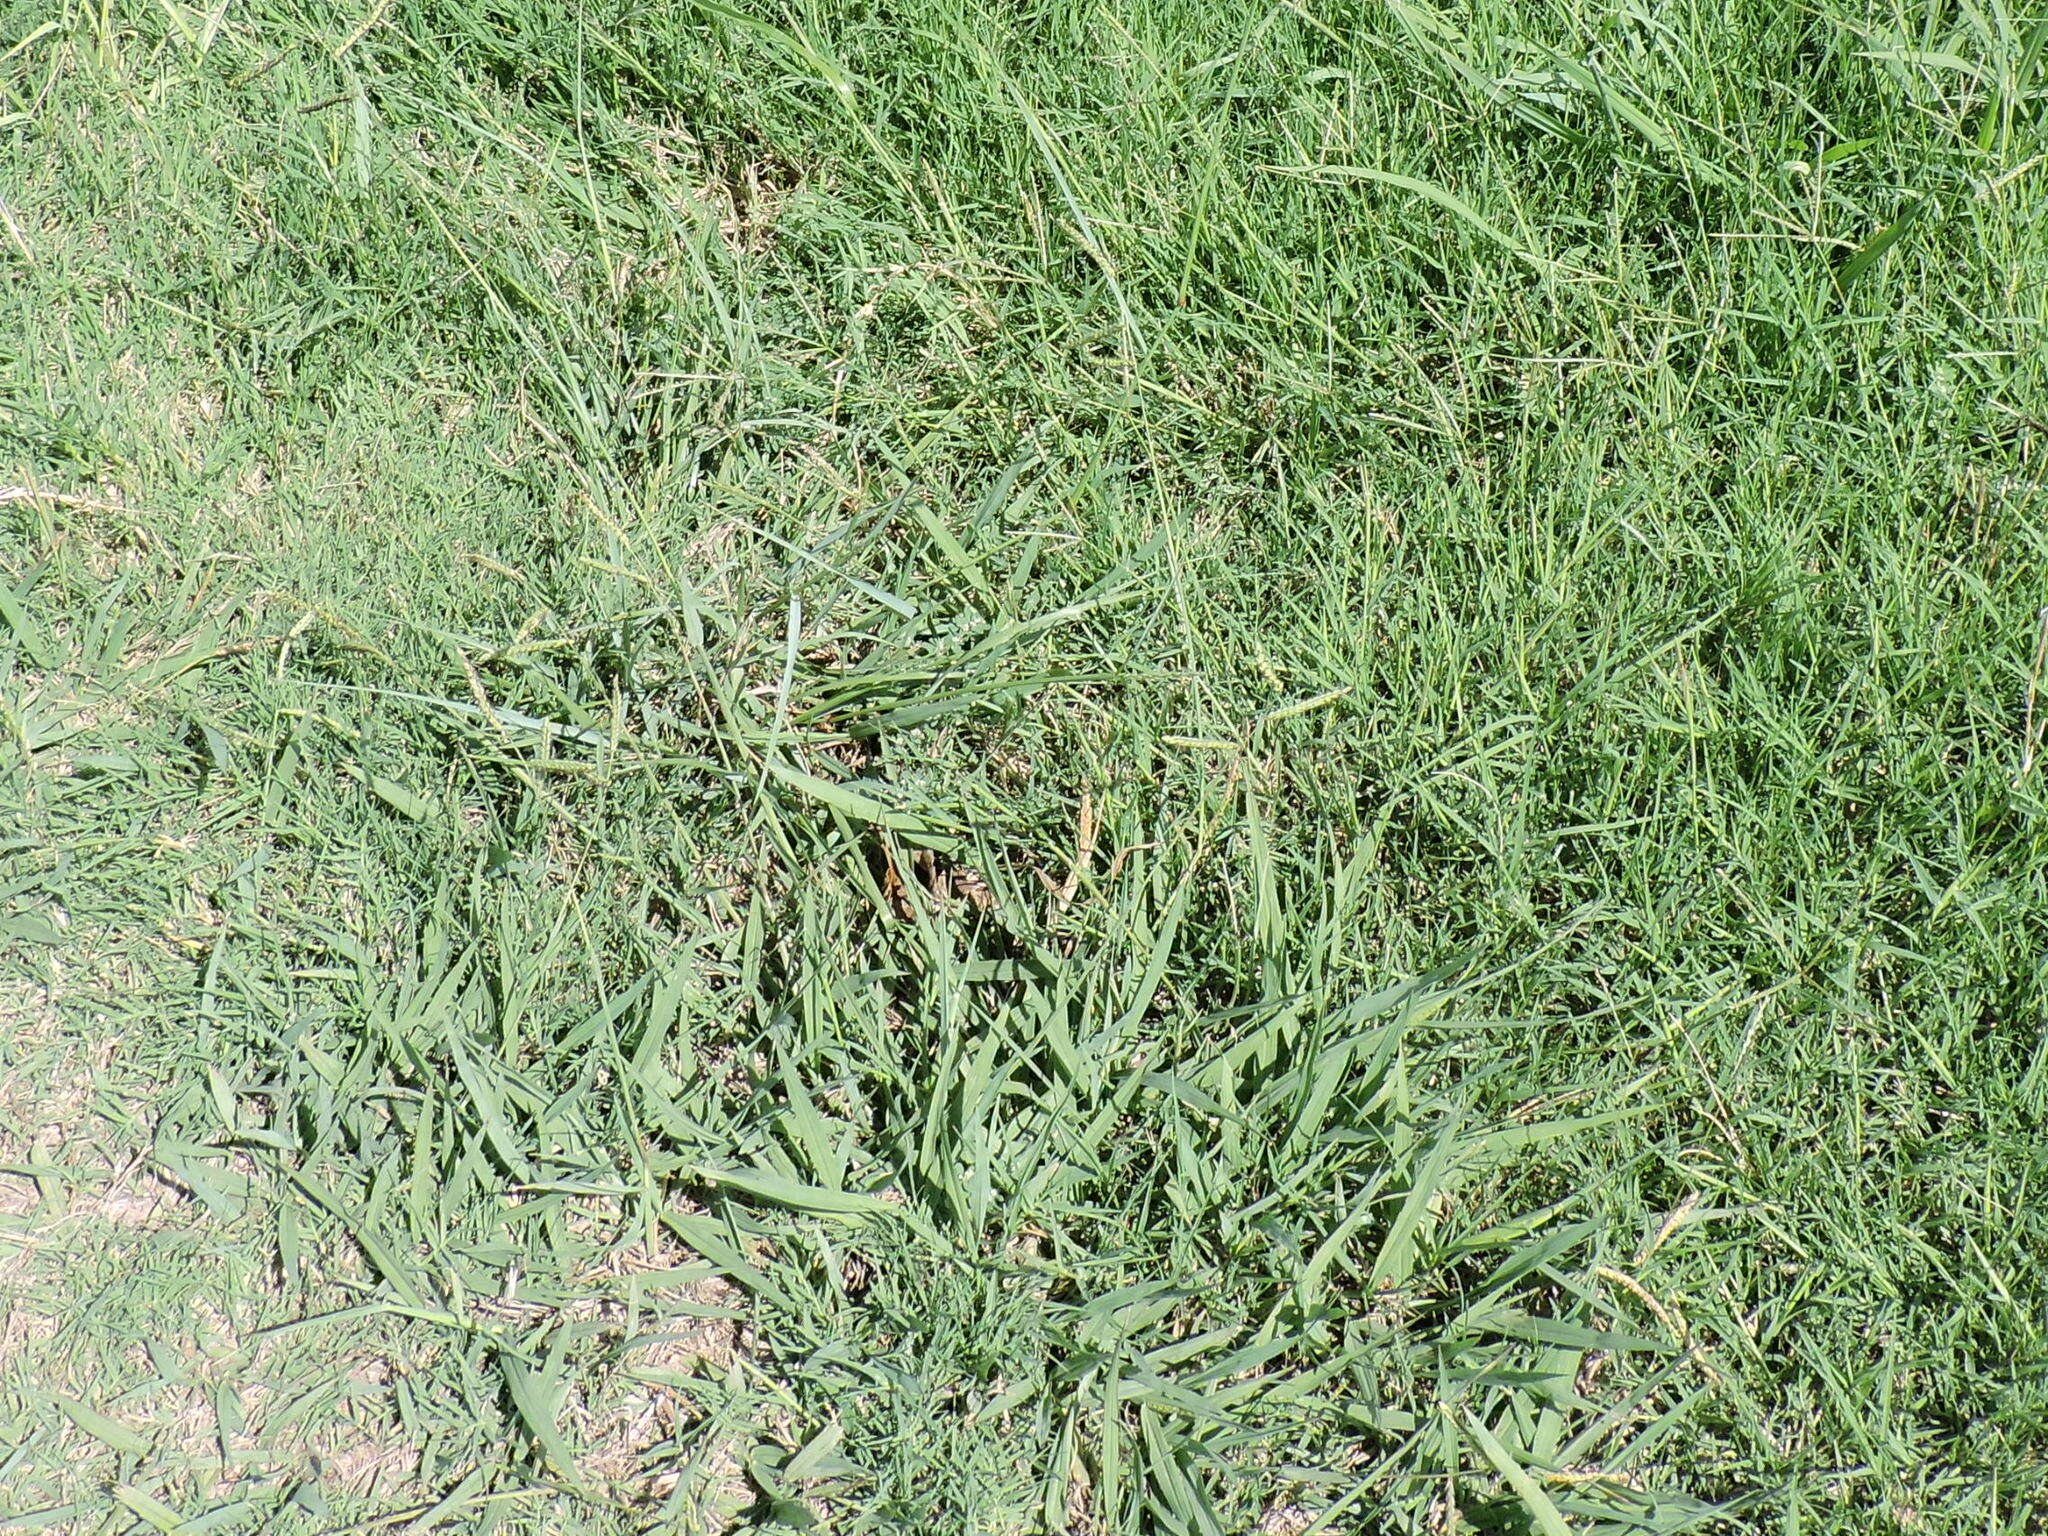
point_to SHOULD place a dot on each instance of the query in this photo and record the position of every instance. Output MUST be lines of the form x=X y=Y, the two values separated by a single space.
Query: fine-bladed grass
x=1159 y=768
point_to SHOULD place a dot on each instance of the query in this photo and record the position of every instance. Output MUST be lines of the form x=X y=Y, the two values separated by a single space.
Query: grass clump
x=1170 y=768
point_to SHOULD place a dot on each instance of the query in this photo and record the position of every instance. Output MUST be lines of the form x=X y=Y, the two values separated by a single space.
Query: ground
x=1182 y=767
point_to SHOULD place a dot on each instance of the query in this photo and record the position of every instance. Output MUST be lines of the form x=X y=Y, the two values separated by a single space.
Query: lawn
x=1198 y=766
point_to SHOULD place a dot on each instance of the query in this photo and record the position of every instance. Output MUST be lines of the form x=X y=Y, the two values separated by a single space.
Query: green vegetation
x=1177 y=767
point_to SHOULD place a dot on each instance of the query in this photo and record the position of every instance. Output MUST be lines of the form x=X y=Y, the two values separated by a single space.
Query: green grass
x=1169 y=767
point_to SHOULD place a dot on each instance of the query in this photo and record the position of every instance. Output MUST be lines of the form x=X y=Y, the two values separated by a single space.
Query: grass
x=1156 y=768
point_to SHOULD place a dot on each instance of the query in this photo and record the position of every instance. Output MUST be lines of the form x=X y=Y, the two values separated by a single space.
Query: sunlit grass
x=1169 y=768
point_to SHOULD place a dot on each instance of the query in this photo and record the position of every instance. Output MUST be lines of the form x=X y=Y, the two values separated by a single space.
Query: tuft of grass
x=1152 y=768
